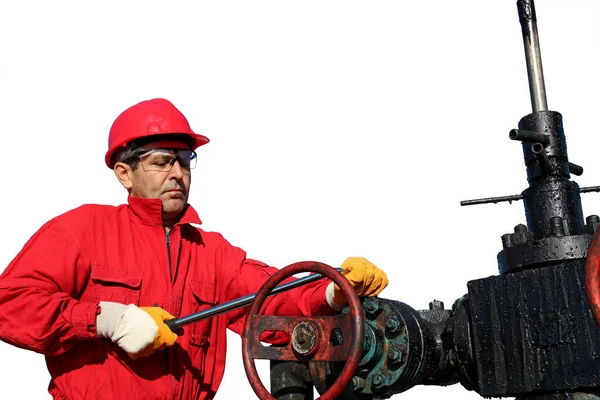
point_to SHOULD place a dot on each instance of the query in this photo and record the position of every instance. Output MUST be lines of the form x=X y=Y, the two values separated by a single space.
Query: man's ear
x=124 y=173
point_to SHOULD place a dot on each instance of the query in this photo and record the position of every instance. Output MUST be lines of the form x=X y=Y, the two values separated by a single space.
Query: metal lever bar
x=177 y=323
x=516 y=197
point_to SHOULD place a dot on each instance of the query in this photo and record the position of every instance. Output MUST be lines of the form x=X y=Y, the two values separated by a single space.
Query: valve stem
x=535 y=73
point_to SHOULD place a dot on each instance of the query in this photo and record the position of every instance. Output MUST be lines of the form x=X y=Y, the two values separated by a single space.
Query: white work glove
x=128 y=326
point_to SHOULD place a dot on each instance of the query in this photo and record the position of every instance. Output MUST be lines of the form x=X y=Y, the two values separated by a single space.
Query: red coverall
x=49 y=298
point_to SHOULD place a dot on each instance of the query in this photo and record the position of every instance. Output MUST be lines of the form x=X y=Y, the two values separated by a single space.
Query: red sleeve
x=38 y=309
x=245 y=276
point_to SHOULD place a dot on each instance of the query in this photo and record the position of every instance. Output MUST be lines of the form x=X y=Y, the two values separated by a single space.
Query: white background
x=337 y=128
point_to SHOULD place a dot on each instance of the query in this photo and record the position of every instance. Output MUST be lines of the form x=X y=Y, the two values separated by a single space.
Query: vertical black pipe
x=291 y=380
x=550 y=194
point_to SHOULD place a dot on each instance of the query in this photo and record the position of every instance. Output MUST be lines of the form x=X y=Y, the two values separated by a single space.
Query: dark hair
x=130 y=152
x=128 y=156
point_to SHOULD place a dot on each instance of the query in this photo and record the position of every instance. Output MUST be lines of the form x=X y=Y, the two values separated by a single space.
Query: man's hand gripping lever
x=366 y=279
x=140 y=331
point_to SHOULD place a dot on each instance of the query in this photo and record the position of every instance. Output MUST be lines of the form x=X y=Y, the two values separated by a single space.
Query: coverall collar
x=149 y=211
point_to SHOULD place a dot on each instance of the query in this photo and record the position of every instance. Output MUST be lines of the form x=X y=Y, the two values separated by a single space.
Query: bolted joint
x=396 y=356
x=357 y=384
x=392 y=324
x=436 y=305
x=591 y=223
x=557 y=226
x=371 y=306
x=521 y=235
x=378 y=380
x=507 y=240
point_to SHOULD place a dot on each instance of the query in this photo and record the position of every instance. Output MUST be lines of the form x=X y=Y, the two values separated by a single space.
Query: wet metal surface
x=533 y=331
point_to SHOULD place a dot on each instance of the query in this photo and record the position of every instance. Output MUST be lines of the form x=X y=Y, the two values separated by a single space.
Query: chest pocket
x=114 y=285
x=203 y=297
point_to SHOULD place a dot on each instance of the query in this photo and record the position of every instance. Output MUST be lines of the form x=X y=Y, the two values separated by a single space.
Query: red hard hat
x=150 y=117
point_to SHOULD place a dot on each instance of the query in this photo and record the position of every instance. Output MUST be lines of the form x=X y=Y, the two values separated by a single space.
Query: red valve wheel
x=319 y=347
x=592 y=276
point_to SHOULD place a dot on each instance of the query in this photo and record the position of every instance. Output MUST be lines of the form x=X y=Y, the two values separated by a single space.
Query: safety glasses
x=162 y=160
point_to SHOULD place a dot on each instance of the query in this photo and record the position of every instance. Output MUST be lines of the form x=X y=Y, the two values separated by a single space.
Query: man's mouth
x=174 y=191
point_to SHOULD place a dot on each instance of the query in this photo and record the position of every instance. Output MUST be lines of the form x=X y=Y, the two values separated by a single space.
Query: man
x=92 y=288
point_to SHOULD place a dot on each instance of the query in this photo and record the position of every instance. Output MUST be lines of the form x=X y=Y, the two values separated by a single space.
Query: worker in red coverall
x=91 y=289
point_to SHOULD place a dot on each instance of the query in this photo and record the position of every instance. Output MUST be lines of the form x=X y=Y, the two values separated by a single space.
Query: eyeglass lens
x=162 y=160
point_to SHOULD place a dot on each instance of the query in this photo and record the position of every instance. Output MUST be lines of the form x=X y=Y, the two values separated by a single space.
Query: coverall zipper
x=168 y=240
x=168 y=236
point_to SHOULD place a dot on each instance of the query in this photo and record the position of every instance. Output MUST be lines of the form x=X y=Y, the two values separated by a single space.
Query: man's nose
x=176 y=170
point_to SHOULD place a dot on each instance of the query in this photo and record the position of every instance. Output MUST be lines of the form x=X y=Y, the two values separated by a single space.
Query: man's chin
x=173 y=207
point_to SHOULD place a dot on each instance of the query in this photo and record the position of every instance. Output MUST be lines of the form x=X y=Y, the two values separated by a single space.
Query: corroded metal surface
x=305 y=336
x=320 y=350
x=349 y=349
x=592 y=276
x=402 y=348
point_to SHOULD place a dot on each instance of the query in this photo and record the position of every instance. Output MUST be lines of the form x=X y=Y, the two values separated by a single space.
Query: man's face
x=158 y=175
